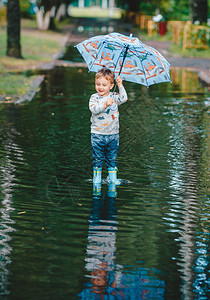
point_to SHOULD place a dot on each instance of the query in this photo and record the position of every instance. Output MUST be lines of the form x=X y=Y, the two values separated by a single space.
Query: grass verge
x=13 y=84
x=37 y=48
x=204 y=53
x=175 y=49
x=92 y=12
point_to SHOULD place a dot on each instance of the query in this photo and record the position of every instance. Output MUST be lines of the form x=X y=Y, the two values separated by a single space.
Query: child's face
x=103 y=86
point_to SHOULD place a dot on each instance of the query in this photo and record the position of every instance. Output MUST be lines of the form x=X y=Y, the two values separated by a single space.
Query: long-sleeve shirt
x=105 y=120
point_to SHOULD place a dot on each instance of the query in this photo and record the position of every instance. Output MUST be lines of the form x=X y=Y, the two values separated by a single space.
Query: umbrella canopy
x=125 y=56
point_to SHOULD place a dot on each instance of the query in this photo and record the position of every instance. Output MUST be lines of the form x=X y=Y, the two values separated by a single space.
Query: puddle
x=60 y=239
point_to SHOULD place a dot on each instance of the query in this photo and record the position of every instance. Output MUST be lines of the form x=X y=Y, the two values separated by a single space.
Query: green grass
x=204 y=53
x=90 y=12
x=11 y=84
x=174 y=49
x=29 y=23
x=2 y=42
x=36 y=47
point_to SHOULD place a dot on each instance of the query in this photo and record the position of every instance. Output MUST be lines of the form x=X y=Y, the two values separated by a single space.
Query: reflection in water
x=7 y=169
x=108 y=279
x=187 y=80
x=183 y=215
x=101 y=242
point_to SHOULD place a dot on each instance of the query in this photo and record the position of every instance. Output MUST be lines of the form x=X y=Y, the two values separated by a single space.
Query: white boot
x=112 y=177
x=97 y=175
x=97 y=190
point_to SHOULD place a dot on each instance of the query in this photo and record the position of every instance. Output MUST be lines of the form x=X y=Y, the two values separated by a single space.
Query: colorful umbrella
x=125 y=56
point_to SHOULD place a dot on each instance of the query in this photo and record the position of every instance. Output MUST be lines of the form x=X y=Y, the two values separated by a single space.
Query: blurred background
x=35 y=30
x=182 y=21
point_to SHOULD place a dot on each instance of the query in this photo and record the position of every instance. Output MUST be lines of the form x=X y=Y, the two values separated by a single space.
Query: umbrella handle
x=113 y=107
x=124 y=56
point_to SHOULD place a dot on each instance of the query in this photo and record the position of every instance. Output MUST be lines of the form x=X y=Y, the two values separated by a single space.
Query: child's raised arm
x=119 y=81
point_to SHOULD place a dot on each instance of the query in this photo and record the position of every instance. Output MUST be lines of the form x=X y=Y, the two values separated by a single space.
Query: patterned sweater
x=106 y=121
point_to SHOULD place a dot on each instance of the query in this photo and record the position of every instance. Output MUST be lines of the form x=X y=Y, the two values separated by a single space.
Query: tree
x=13 y=29
x=199 y=10
x=133 y=5
x=47 y=10
x=171 y=9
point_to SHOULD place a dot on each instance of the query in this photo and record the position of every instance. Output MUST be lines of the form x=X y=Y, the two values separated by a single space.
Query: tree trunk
x=13 y=29
x=61 y=12
x=133 y=5
x=111 y=8
x=43 y=22
x=199 y=10
x=104 y=4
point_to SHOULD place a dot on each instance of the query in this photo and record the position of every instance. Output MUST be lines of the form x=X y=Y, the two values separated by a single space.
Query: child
x=105 y=124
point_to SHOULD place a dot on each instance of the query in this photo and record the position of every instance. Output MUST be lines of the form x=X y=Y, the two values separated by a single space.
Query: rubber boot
x=97 y=175
x=112 y=177
x=112 y=192
x=97 y=190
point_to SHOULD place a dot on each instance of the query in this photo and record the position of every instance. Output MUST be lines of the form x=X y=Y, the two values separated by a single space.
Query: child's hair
x=104 y=72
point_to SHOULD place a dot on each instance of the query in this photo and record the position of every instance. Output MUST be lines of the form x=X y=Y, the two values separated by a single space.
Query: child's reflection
x=107 y=279
x=101 y=242
x=99 y=279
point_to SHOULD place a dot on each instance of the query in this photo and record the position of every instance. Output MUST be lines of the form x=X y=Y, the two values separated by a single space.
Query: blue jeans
x=104 y=147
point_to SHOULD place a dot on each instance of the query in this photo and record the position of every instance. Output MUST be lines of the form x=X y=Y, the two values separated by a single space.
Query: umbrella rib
x=118 y=44
x=160 y=63
x=165 y=70
x=99 y=49
x=124 y=47
x=143 y=71
x=118 y=59
x=126 y=51
x=137 y=54
x=117 y=50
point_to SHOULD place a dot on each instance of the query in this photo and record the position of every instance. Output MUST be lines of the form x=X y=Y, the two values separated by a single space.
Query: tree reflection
x=183 y=216
x=7 y=178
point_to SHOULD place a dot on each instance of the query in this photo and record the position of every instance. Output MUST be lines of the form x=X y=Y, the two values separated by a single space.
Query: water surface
x=146 y=240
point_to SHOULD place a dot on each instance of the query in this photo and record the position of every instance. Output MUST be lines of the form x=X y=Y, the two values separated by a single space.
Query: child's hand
x=119 y=81
x=108 y=102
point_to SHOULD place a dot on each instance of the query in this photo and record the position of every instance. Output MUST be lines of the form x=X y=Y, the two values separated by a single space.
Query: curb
x=204 y=78
x=29 y=95
x=38 y=81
